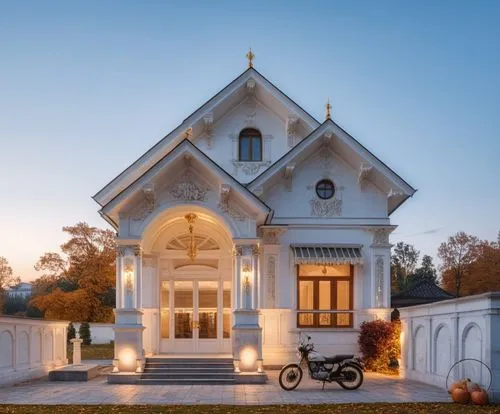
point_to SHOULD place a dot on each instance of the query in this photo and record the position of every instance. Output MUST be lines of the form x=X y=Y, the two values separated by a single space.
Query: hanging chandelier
x=192 y=249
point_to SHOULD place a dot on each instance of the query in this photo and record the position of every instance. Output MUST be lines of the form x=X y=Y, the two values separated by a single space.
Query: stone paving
x=376 y=388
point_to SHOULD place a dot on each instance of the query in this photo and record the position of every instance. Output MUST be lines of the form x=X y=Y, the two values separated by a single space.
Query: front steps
x=188 y=371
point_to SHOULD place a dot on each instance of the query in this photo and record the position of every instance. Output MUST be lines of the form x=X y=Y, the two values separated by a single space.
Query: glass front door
x=195 y=316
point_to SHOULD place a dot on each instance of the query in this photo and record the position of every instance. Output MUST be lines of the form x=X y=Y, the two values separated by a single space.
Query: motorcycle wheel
x=354 y=377
x=290 y=377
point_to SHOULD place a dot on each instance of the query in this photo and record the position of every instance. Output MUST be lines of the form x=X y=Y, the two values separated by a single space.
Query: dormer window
x=250 y=145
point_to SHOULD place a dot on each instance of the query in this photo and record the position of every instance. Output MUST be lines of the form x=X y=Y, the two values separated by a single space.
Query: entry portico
x=248 y=224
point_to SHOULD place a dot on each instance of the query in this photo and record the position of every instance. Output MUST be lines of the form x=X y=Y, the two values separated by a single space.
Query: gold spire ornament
x=250 y=56
x=328 y=109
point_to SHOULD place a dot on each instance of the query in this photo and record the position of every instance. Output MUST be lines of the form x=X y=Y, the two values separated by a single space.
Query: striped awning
x=327 y=254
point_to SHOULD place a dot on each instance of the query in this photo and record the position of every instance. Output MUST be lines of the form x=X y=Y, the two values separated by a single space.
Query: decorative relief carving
x=271 y=281
x=327 y=160
x=226 y=206
x=149 y=204
x=271 y=235
x=379 y=282
x=186 y=189
x=250 y=167
x=237 y=251
x=256 y=250
x=225 y=190
x=326 y=208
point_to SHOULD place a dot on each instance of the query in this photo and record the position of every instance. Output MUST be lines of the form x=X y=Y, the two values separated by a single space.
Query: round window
x=325 y=189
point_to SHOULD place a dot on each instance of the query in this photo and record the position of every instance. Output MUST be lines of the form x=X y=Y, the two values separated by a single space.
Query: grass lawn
x=93 y=351
x=414 y=408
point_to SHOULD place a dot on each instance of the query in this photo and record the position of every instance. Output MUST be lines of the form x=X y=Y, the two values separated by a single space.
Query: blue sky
x=86 y=87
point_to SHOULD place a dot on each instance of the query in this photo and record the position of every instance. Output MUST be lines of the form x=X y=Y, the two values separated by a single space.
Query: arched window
x=250 y=145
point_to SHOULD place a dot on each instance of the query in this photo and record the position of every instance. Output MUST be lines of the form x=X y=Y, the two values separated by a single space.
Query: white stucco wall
x=29 y=348
x=435 y=336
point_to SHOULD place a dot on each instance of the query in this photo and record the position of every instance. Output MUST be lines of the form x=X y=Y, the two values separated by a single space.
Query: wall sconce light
x=129 y=271
x=247 y=270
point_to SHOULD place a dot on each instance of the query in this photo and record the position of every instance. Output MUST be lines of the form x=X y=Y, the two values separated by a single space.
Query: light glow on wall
x=248 y=356
x=128 y=358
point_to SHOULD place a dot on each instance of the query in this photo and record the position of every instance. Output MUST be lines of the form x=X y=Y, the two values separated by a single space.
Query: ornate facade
x=218 y=254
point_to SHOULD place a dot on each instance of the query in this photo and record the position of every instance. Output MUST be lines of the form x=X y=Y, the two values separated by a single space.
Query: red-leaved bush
x=379 y=344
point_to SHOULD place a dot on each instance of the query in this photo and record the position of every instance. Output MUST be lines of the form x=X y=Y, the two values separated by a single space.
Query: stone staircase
x=188 y=371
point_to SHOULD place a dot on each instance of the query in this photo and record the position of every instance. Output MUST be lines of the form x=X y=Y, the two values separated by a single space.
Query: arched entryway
x=193 y=255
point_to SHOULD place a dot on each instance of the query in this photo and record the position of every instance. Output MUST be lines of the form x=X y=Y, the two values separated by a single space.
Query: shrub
x=71 y=332
x=84 y=332
x=379 y=345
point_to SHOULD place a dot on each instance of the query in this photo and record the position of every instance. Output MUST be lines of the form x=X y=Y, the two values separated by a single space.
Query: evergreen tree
x=84 y=332
x=426 y=271
x=71 y=331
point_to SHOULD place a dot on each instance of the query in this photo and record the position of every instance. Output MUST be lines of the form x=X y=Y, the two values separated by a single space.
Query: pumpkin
x=456 y=384
x=479 y=397
x=460 y=395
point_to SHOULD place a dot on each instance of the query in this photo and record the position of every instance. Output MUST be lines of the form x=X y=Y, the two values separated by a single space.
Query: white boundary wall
x=29 y=348
x=100 y=333
x=436 y=335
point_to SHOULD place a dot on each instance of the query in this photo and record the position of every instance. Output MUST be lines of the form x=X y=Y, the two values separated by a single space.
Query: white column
x=138 y=277
x=119 y=287
x=256 y=277
x=237 y=285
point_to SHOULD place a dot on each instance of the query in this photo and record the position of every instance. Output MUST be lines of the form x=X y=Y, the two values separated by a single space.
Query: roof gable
x=183 y=156
x=195 y=124
x=369 y=167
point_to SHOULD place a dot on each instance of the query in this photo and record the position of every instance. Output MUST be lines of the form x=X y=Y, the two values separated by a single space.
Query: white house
x=247 y=224
x=23 y=289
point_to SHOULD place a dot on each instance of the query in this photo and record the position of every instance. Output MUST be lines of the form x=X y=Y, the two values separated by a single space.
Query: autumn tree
x=457 y=254
x=426 y=271
x=483 y=274
x=79 y=283
x=404 y=260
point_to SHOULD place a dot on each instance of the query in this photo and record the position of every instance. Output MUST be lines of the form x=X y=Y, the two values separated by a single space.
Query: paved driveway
x=376 y=388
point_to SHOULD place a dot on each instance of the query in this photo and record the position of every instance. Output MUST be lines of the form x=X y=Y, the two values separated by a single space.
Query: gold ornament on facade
x=328 y=108
x=192 y=249
x=250 y=56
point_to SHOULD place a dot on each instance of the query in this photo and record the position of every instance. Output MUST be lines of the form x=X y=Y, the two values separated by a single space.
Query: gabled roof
x=167 y=143
x=349 y=143
x=424 y=289
x=183 y=148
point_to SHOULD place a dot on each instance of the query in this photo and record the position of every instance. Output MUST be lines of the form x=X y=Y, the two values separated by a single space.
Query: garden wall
x=100 y=333
x=437 y=335
x=29 y=348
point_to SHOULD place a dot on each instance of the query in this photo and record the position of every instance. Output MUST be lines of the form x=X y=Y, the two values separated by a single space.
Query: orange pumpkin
x=479 y=397
x=460 y=395
x=456 y=384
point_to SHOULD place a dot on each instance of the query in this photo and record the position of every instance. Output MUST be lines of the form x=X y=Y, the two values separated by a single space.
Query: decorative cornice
x=270 y=235
x=288 y=175
x=291 y=129
x=364 y=171
x=208 y=122
x=150 y=202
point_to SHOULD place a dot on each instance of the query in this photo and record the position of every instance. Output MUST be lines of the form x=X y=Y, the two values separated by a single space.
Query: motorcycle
x=346 y=370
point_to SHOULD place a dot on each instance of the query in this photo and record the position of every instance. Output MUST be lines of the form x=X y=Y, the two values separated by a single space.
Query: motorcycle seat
x=337 y=358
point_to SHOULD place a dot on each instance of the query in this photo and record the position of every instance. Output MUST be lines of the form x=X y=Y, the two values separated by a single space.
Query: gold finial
x=250 y=57
x=328 y=109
